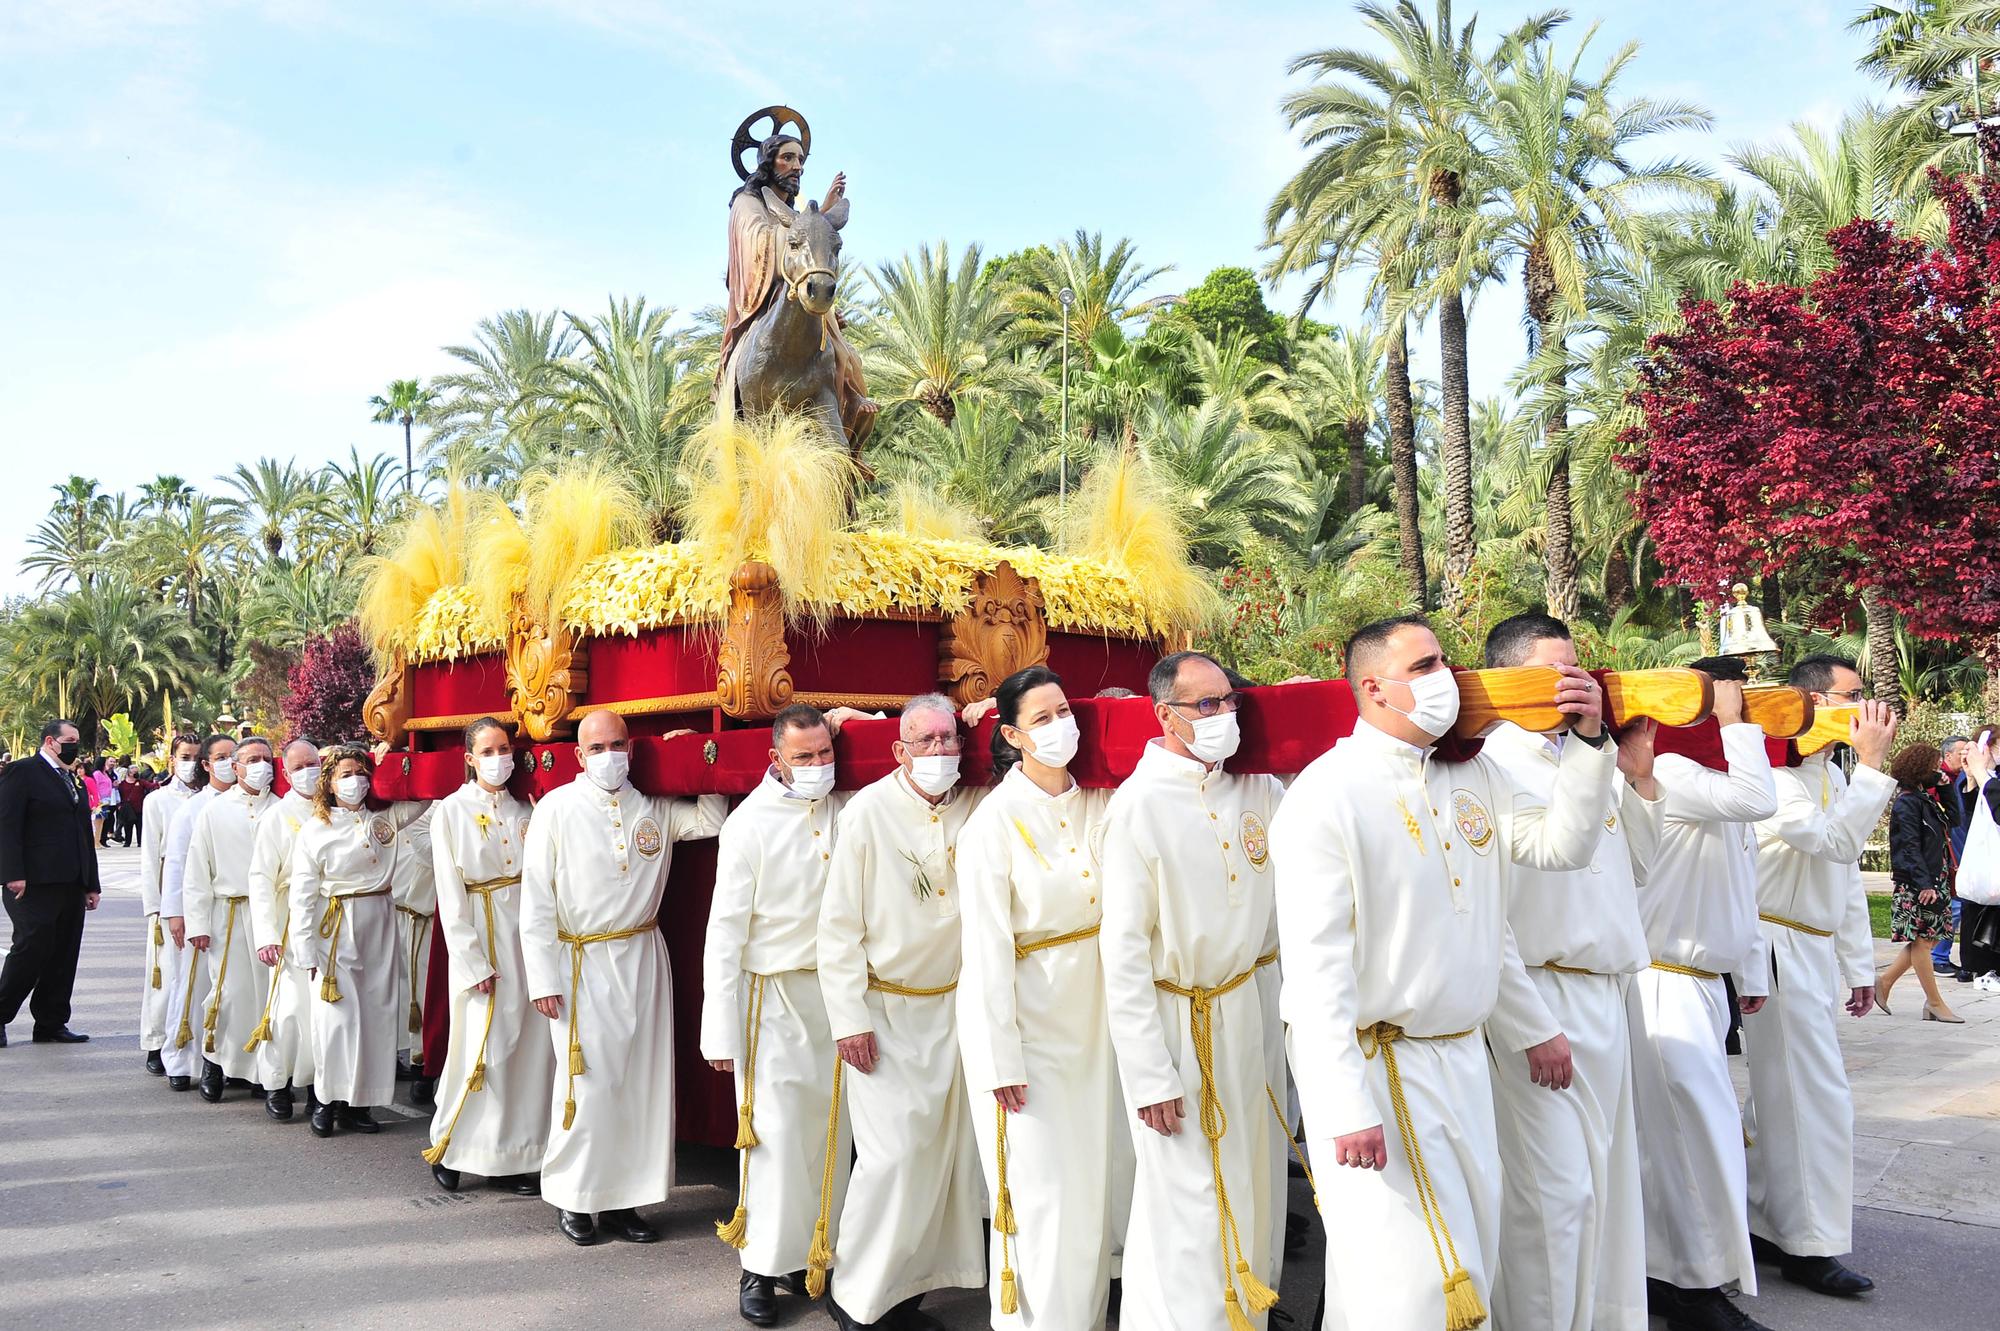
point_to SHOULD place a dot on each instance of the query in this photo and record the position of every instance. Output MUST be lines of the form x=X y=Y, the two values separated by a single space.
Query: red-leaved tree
x=328 y=686
x=1844 y=433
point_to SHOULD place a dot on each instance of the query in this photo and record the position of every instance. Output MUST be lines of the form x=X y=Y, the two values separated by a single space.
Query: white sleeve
x=1562 y=833
x=1838 y=833
x=1125 y=943
x=175 y=859
x=1743 y=794
x=728 y=934
x=1645 y=824
x=267 y=877
x=458 y=919
x=198 y=874
x=541 y=953
x=989 y=1027
x=306 y=943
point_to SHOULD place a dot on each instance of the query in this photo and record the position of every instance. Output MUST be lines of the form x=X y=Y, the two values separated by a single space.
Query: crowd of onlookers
x=117 y=788
x=1942 y=790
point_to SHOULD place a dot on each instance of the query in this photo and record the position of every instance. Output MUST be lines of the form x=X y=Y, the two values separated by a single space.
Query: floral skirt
x=1911 y=921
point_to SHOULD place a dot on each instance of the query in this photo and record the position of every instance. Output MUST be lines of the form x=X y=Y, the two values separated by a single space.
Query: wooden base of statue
x=548 y=674
x=1002 y=629
x=387 y=710
x=753 y=678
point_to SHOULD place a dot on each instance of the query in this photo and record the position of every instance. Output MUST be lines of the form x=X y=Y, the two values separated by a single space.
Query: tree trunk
x=409 y=456
x=1403 y=460
x=1460 y=530
x=1357 y=465
x=1885 y=675
x=1617 y=579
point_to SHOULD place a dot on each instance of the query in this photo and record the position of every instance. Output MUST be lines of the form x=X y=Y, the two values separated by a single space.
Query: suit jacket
x=45 y=827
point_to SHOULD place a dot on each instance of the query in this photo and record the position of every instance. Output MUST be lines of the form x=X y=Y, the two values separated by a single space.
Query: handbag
x=1979 y=862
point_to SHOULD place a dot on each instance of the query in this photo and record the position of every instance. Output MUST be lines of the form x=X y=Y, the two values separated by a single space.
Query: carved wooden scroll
x=387 y=710
x=1001 y=631
x=753 y=678
x=548 y=672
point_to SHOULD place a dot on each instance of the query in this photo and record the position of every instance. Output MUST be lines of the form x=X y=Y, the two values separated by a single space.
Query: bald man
x=596 y=862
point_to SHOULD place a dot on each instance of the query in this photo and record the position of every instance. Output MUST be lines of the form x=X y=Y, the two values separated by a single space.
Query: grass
x=1878 y=913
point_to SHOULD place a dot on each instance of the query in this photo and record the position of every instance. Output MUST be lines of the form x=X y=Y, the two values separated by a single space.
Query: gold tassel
x=1237 y=1321
x=208 y=1043
x=184 y=1034
x=1463 y=1309
x=576 y=1067
x=818 y=1258
x=1259 y=1296
x=416 y=1017
x=477 y=1081
x=1003 y=1214
x=434 y=1154
x=156 y=977
x=737 y=1232
x=569 y=1112
x=746 y=1136
x=329 y=992
x=258 y=1036
x=1009 y=1305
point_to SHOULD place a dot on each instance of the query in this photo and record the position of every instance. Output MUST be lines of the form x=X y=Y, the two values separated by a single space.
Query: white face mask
x=223 y=770
x=495 y=768
x=608 y=768
x=1434 y=702
x=1054 y=741
x=1215 y=737
x=812 y=783
x=187 y=771
x=934 y=773
x=351 y=790
x=305 y=780
x=257 y=775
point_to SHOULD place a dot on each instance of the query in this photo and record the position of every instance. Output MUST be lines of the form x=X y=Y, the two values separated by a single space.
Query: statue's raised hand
x=834 y=192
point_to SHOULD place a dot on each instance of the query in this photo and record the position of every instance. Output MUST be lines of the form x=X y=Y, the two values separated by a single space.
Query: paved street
x=125 y=1205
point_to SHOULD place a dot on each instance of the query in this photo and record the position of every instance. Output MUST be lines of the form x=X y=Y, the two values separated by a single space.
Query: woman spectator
x=1919 y=838
x=1979 y=926
x=103 y=799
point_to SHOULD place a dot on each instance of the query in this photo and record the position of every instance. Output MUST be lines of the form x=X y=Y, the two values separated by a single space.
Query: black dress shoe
x=578 y=1227
x=3 y=1037
x=403 y=1071
x=842 y=1320
x=521 y=1185
x=423 y=1092
x=1826 y=1275
x=358 y=1120
x=792 y=1283
x=1697 y=1309
x=179 y=1083
x=278 y=1104
x=211 y=1082
x=322 y=1120
x=446 y=1178
x=757 y=1299
x=60 y=1035
x=907 y=1316
x=625 y=1224
x=153 y=1063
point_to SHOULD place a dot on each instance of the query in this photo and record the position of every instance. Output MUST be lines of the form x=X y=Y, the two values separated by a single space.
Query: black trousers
x=48 y=934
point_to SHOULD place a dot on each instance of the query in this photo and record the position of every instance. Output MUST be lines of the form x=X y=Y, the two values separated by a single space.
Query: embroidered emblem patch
x=1096 y=843
x=1611 y=822
x=382 y=830
x=646 y=838
x=1256 y=842
x=1474 y=823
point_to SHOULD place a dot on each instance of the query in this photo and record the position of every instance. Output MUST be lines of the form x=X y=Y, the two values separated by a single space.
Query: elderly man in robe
x=1394 y=868
x=283 y=1039
x=215 y=890
x=594 y=870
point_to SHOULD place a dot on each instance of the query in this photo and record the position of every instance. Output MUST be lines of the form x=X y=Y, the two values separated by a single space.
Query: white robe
x=215 y=890
x=503 y=1127
x=1698 y=905
x=1029 y=866
x=770 y=870
x=597 y=862
x=1393 y=876
x=186 y=980
x=1799 y=1117
x=287 y=989
x=354 y=855
x=162 y=965
x=1572 y=1225
x=911 y=1220
x=416 y=901
x=1188 y=901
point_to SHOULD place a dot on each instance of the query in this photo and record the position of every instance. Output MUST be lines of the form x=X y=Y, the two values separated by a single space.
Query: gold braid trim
x=186 y=1032
x=576 y=944
x=1021 y=950
x=421 y=927
x=1694 y=972
x=1794 y=924
x=1003 y=1213
x=159 y=941
x=476 y=1079
x=1214 y=1126
x=819 y=1258
x=329 y=929
x=1561 y=969
x=882 y=986
x=1463 y=1308
x=263 y=1031
x=221 y=976
x=735 y=1231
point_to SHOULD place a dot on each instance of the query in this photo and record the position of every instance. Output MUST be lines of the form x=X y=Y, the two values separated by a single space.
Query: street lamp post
x=1067 y=298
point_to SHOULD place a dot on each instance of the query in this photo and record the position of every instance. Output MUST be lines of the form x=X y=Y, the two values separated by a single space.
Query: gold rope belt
x=1794 y=924
x=1561 y=969
x=881 y=986
x=1696 y=972
x=1463 y=1308
x=186 y=1031
x=576 y=944
x=1021 y=950
x=221 y=976
x=1214 y=1124
x=735 y=1231
x=329 y=929
x=263 y=1031
x=159 y=941
x=422 y=927
x=484 y=889
x=819 y=1257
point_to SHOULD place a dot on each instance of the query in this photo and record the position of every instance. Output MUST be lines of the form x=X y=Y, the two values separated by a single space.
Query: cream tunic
x=185 y=978
x=1799 y=1115
x=911 y=1221
x=344 y=927
x=597 y=862
x=770 y=871
x=1188 y=901
x=1029 y=866
x=502 y=1128
x=1699 y=907
x=163 y=963
x=1572 y=1226
x=288 y=989
x=1394 y=871
x=215 y=888
x=416 y=901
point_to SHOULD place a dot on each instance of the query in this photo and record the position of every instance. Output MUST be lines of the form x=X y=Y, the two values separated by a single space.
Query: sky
x=224 y=226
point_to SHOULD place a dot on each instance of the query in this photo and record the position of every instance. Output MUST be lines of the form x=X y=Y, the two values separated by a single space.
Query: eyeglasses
x=1228 y=702
x=1848 y=695
x=930 y=745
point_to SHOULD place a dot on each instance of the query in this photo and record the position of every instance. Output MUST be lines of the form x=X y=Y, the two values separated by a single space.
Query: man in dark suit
x=48 y=866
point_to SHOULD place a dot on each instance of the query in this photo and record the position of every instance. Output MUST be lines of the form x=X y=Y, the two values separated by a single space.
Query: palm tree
x=1104 y=283
x=1338 y=380
x=624 y=397
x=360 y=504
x=289 y=603
x=406 y=400
x=1560 y=193
x=1227 y=371
x=186 y=551
x=1944 y=52
x=69 y=545
x=164 y=492
x=1230 y=482
x=273 y=498
x=509 y=383
x=939 y=341
x=108 y=647
x=984 y=463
